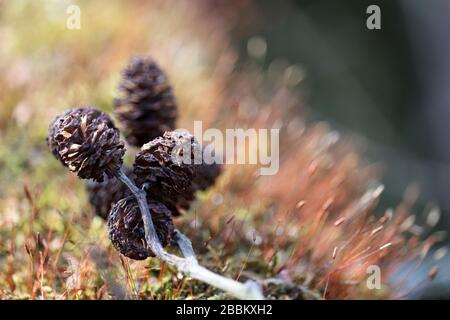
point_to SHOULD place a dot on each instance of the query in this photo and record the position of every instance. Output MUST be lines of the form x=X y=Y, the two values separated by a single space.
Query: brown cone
x=126 y=228
x=104 y=195
x=165 y=177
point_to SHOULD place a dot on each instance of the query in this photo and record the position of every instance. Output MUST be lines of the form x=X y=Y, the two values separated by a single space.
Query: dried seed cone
x=205 y=176
x=52 y=131
x=165 y=167
x=104 y=195
x=146 y=107
x=126 y=228
x=86 y=141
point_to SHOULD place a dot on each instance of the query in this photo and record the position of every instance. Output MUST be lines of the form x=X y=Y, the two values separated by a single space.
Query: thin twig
x=189 y=264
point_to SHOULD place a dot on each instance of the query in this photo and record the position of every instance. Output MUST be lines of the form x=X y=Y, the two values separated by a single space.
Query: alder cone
x=87 y=142
x=205 y=176
x=126 y=228
x=146 y=107
x=104 y=195
x=160 y=169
